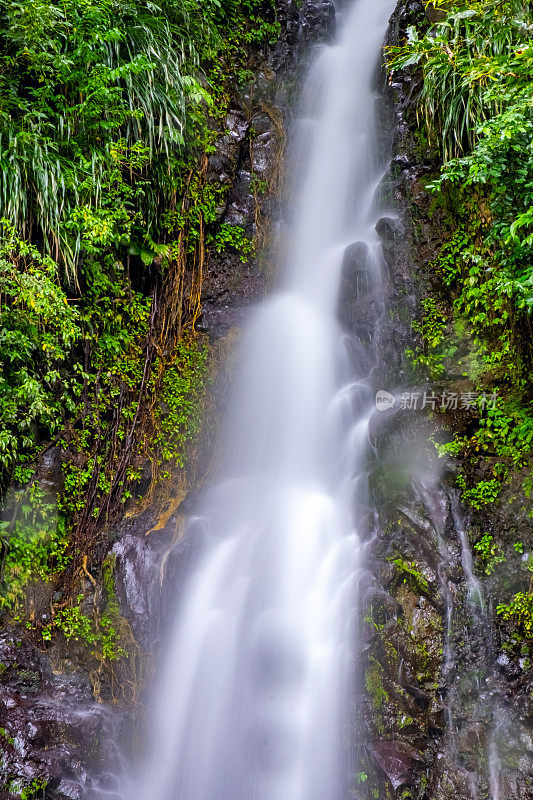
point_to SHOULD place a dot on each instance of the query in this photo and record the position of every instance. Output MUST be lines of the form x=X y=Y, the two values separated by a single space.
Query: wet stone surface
x=436 y=676
x=51 y=731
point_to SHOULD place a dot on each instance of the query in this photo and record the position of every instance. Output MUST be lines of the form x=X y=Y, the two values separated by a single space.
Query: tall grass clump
x=474 y=61
x=476 y=102
x=91 y=93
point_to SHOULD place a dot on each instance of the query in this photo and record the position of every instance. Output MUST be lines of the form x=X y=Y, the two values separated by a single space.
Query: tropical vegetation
x=108 y=109
x=475 y=110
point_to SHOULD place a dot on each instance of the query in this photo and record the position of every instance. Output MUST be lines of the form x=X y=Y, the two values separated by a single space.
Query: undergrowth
x=476 y=106
x=108 y=112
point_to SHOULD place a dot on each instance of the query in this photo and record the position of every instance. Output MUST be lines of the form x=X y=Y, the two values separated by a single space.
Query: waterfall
x=260 y=670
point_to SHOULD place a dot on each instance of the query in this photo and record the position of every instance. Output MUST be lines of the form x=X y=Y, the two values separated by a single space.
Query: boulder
x=389 y=230
x=396 y=760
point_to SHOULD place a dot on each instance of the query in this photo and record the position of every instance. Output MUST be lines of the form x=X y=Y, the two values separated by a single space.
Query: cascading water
x=260 y=671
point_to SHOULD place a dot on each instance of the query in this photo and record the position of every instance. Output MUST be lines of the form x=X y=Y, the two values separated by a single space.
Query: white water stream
x=260 y=672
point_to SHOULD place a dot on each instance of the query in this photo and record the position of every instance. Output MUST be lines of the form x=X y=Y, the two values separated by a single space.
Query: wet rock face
x=137 y=582
x=432 y=691
x=51 y=732
x=404 y=709
x=354 y=274
x=222 y=164
x=395 y=760
x=247 y=163
x=230 y=278
x=391 y=232
x=50 y=474
x=437 y=673
x=318 y=21
x=359 y=299
x=150 y=568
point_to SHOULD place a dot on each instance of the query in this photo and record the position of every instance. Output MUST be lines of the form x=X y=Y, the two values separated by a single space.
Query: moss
x=424 y=637
x=374 y=683
x=411 y=576
x=4 y=734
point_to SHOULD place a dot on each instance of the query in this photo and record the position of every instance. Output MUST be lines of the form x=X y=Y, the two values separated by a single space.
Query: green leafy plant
x=38 y=328
x=490 y=553
x=80 y=81
x=432 y=331
x=233 y=236
x=519 y=611
x=32 y=791
x=482 y=493
x=97 y=633
x=34 y=544
x=411 y=575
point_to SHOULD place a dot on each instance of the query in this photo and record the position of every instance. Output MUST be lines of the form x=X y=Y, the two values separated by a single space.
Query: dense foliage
x=477 y=102
x=476 y=106
x=107 y=109
x=94 y=97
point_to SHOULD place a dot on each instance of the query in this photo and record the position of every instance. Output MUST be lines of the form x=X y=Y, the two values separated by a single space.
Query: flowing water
x=260 y=670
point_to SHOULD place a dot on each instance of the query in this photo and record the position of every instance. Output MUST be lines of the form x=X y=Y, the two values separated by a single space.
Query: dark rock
x=218 y=321
x=389 y=230
x=421 y=698
x=437 y=719
x=137 y=581
x=50 y=473
x=354 y=263
x=401 y=161
x=54 y=731
x=229 y=283
x=241 y=201
x=318 y=20
x=264 y=150
x=68 y=790
x=222 y=164
x=261 y=123
x=354 y=284
x=396 y=760
x=360 y=304
x=435 y=14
